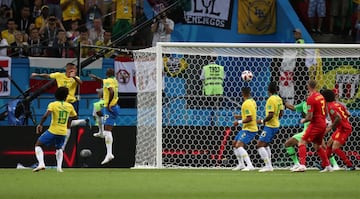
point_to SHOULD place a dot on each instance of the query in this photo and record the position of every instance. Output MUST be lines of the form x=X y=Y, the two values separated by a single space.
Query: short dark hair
x=11 y=19
x=312 y=84
x=61 y=93
x=110 y=72
x=329 y=95
x=246 y=91
x=70 y=65
x=273 y=88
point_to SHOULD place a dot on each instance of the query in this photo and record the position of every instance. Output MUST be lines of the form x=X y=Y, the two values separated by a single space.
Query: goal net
x=178 y=126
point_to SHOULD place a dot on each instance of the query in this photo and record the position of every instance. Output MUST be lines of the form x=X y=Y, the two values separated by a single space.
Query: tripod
x=22 y=109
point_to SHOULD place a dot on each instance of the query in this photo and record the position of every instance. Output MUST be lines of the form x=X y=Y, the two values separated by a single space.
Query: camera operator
x=162 y=29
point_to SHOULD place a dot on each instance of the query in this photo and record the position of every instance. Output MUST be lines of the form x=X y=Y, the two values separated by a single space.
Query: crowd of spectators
x=55 y=28
x=336 y=19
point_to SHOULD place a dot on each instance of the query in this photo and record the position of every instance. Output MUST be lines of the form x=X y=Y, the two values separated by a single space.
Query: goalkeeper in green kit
x=293 y=141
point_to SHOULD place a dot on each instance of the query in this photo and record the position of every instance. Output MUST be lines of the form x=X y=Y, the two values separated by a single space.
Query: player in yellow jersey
x=60 y=111
x=70 y=81
x=273 y=111
x=248 y=131
x=111 y=109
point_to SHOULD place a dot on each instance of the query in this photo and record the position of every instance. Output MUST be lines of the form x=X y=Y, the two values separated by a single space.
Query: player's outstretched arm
x=96 y=78
x=43 y=75
x=289 y=106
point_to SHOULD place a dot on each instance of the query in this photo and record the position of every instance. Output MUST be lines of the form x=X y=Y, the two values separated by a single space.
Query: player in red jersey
x=340 y=125
x=316 y=130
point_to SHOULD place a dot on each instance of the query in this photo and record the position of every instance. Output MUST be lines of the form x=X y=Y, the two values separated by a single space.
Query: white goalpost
x=178 y=126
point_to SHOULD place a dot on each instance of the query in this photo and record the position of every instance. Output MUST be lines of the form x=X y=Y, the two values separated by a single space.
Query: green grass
x=176 y=183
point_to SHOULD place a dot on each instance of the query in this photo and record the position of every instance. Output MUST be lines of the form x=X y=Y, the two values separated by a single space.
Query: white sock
x=238 y=157
x=268 y=150
x=108 y=142
x=78 y=122
x=245 y=156
x=68 y=133
x=59 y=158
x=39 y=156
x=264 y=155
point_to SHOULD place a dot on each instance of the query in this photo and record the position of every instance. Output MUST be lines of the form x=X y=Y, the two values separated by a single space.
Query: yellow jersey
x=60 y=113
x=72 y=12
x=63 y=81
x=249 y=108
x=10 y=38
x=39 y=21
x=110 y=82
x=124 y=9
x=273 y=104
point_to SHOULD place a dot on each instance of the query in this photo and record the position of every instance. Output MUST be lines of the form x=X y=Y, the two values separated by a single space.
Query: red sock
x=323 y=157
x=342 y=155
x=302 y=154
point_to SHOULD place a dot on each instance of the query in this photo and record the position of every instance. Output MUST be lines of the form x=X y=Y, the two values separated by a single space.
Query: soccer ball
x=85 y=153
x=247 y=75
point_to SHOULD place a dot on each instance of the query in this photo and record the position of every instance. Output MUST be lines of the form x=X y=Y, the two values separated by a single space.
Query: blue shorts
x=49 y=139
x=110 y=117
x=317 y=8
x=245 y=136
x=268 y=134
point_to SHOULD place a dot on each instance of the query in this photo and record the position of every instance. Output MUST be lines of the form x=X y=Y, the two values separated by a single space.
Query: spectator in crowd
x=97 y=32
x=36 y=47
x=8 y=34
x=92 y=12
x=143 y=38
x=25 y=20
x=3 y=46
x=7 y=3
x=339 y=8
x=72 y=10
x=50 y=30
x=54 y=8
x=298 y=36
x=19 y=46
x=17 y=5
x=73 y=33
x=40 y=20
x=162 y=29
x=62 y=47
x=85 y=40
x=5 y=15
x=106 y=9
x=106 y=42
x=316 y=13
x=36 y=10
x=124 y=18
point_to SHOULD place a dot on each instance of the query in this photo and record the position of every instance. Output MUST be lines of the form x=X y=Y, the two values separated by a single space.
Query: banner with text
x=5 y=72
x=125 y=74
x=51 y=65
x=215 y=13
x=257 y=17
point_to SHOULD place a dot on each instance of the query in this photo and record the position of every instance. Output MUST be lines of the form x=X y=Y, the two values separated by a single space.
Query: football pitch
x=176 y=183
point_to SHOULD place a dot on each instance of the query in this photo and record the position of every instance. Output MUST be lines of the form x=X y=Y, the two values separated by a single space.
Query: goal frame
x=162 y=47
